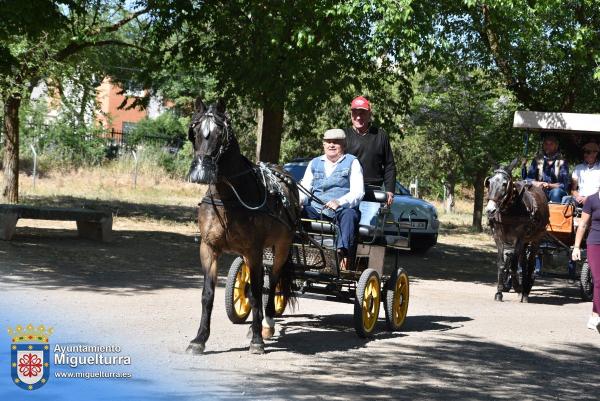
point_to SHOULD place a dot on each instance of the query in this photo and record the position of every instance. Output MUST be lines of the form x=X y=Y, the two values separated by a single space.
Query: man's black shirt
x=374 y=152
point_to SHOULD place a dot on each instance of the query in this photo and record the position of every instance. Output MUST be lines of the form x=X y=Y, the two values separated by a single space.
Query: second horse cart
x=573 y=131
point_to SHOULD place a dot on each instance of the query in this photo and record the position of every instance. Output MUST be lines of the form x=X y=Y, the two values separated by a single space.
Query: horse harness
x=503 y=217
x=508 y=197
x=272 y=180
x=272 y=184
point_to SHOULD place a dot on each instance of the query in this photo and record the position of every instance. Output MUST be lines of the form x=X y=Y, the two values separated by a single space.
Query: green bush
x=167 y=126
x=177 y=165
x=61 y=143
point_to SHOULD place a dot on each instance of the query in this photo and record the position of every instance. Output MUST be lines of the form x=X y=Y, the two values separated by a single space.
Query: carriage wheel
x=396 y=299
x=237 y=288
x=585 y=282
x=280 y=299
x=366 y=303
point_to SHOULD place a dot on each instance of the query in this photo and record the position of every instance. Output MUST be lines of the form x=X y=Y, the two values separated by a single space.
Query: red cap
x=360 y=103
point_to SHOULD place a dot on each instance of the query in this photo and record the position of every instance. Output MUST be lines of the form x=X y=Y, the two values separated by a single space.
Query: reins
x=239 y=198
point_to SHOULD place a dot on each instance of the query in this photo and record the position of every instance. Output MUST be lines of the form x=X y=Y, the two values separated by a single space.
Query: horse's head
x=211 y=136
x=500 y=188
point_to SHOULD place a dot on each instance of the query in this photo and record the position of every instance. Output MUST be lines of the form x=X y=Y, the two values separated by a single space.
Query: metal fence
x=120 y=138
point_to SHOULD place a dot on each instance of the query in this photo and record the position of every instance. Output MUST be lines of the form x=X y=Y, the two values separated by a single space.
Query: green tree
x=49 y=41
x=545 y=52
x=287 y=58
x=466 y=119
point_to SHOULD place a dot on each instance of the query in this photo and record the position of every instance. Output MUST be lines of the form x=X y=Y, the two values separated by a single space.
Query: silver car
x=423 y=215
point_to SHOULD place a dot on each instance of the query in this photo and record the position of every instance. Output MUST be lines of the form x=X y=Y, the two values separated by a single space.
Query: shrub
x=166 y=129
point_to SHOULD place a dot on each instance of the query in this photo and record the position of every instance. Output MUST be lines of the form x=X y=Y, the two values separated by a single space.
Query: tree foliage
x=55 y=41
x=462 y=119
x=546 y=52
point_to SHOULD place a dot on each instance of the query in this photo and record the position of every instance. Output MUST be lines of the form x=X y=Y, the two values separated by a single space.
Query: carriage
x=317 y=269
x=574 y=130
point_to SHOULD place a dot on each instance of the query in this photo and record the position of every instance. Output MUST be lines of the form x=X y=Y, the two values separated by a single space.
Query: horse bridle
x=224 y=140
x=509 y=190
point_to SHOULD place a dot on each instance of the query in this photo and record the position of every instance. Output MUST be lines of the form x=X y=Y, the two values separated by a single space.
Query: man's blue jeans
x=347 y=221
x=555 y=195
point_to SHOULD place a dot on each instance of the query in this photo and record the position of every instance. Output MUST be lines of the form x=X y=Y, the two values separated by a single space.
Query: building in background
x=105 y=111
x=122 y=120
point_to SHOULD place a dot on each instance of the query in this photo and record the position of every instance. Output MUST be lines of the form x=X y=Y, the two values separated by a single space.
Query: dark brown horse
x=518 y=215
x=246 y=208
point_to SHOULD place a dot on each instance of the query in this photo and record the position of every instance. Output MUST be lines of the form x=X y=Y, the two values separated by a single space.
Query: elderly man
x=371 y=145
x=549 y=171
x=585 y=180
x=336 y=182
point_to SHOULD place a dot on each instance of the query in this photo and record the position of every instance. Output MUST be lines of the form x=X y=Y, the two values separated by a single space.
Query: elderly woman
x=336 y=182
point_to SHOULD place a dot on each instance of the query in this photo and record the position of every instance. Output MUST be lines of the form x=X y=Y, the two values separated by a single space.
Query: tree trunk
x=449 y=186
x=268 y=133
x=10 y=189
x=478 y=201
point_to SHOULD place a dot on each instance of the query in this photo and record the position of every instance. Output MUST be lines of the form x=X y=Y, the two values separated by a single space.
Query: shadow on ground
x=180 y=214
x=449 y=262
x=457 y=367
x=134 y=261
x=151 y=260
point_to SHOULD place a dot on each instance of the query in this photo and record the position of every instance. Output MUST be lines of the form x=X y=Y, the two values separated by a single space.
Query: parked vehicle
x=423 y=215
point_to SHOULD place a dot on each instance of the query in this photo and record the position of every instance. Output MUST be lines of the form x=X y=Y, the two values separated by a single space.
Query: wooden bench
x=91 y=224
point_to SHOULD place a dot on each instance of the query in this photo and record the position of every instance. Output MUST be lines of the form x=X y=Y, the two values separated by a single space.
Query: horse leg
x=500 y=264
x=280 y=256
x=530 y=263
x=524 y=263
x=208 y=259
x=257 y=345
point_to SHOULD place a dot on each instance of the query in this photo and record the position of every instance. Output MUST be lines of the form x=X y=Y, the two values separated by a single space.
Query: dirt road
x=143 y=292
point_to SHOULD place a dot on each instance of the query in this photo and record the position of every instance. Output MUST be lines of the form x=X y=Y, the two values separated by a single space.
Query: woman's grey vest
x=333 y=187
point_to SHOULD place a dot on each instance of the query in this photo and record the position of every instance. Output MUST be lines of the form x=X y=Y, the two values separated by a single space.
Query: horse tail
x=286 y=280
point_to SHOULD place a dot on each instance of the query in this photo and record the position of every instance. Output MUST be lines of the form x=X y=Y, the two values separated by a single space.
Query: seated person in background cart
x=591 y=214
x=585 y=180
x=336 y=182
x=549 y=171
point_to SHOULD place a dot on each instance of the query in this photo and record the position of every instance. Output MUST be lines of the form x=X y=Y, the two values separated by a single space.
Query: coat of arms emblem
x=30 y=356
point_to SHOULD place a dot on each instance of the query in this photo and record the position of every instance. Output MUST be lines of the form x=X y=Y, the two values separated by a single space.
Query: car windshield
x=296 y=169
x=401 y=189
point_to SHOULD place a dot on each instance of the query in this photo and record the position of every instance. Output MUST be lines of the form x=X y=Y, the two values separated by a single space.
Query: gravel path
x=143 y=292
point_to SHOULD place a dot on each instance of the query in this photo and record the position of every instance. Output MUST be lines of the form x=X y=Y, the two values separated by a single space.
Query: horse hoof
x=258 y=349
x=525 y=299
x=268 y=332
x=498 y=297
x=195 y=349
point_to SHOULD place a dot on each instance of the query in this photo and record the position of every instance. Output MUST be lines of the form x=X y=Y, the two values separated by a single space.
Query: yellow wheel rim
x=279 y=300
x=401 y=295
x=241 y=303
x=370 y=304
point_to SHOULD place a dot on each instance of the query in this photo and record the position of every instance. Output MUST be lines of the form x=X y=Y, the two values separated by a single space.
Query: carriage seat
x=374 y=195
x=372 y=208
